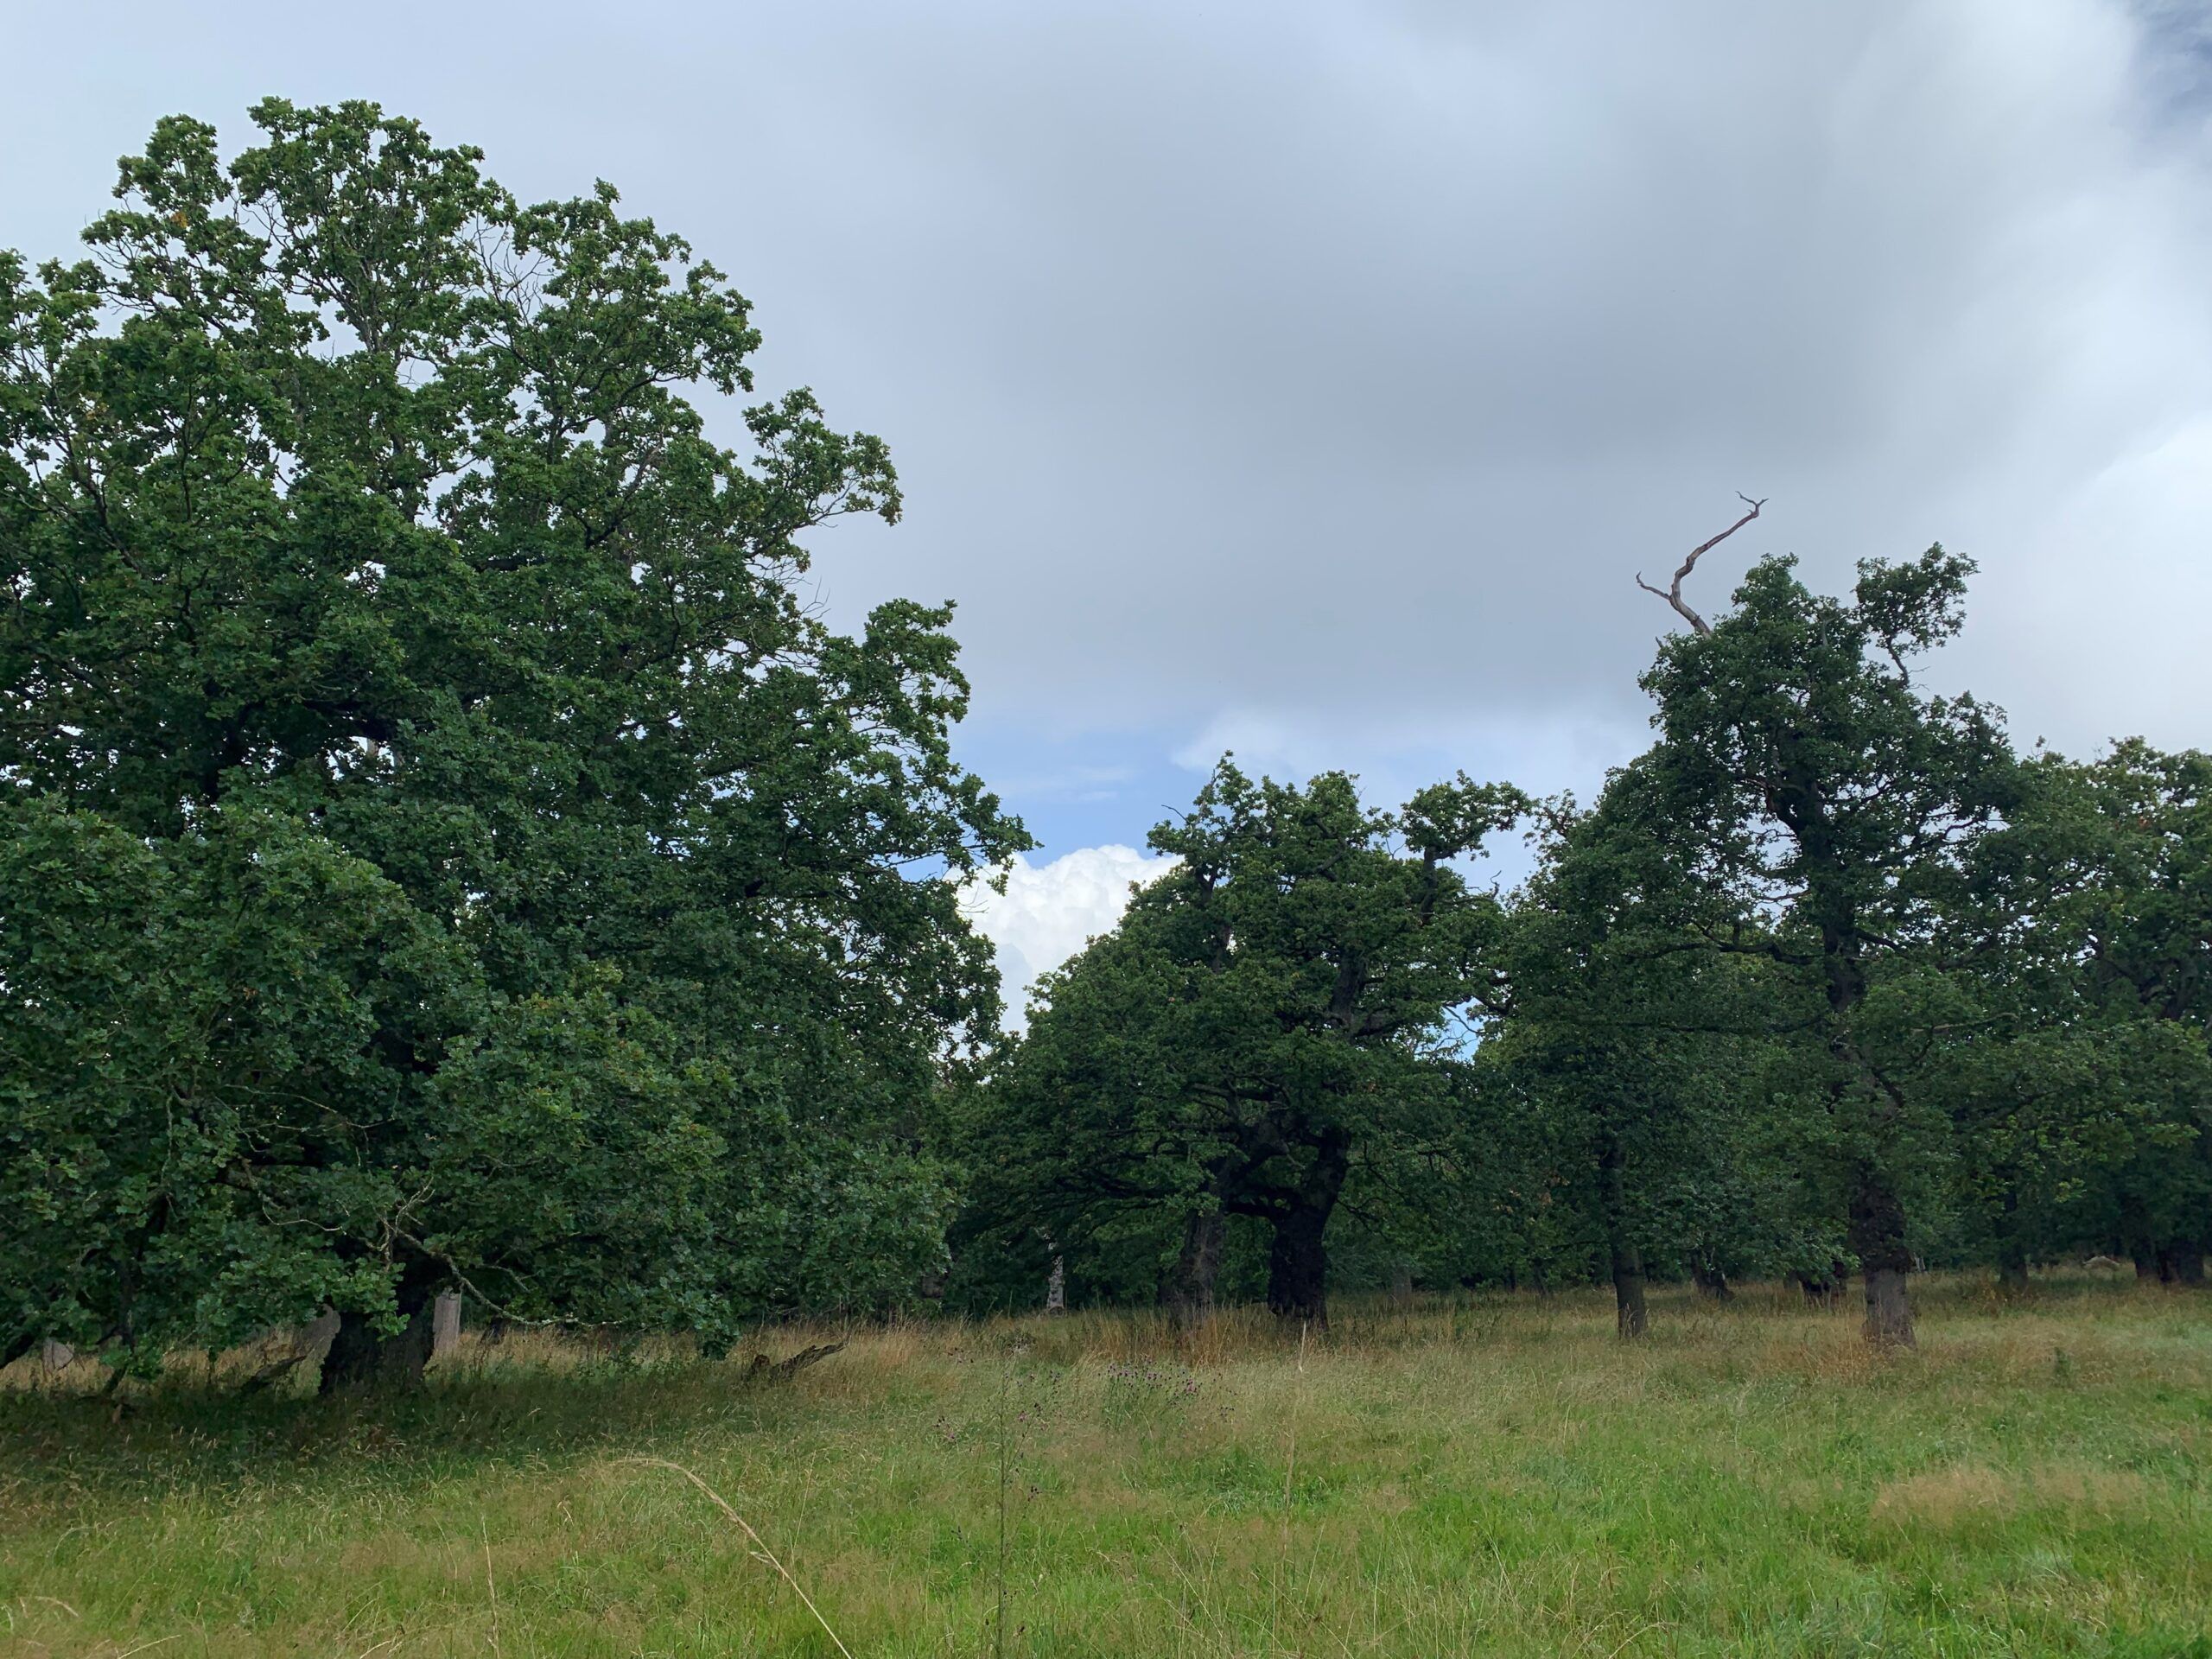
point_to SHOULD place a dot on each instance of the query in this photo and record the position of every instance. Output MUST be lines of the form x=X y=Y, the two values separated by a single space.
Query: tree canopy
x=444 y=843
x=1252 y=1036
x=1827 y=982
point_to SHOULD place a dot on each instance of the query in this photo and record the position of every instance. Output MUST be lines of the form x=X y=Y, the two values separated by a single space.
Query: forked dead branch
x=1673 y=592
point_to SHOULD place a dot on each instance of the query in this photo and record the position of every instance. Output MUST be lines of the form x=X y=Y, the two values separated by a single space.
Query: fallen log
x=765 y=1369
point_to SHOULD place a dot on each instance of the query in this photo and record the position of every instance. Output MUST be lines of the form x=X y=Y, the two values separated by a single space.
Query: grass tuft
x=759 y=1544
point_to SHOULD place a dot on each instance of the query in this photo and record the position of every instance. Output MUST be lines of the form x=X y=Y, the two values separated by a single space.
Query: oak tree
x=448 y=847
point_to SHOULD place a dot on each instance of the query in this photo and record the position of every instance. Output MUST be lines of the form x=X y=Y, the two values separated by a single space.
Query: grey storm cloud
x=1316 y=378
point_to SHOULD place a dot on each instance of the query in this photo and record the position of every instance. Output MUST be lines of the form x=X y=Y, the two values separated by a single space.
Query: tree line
x=446 y=851
x=1830 y=981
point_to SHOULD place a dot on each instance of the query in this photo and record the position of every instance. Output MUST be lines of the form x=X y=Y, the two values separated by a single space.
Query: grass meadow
x=1478 y=1475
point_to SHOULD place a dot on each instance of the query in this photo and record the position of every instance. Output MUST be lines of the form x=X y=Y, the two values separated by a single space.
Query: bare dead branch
x=1673 y=592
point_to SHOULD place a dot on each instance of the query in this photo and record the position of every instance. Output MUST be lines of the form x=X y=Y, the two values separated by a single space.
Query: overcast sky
x=1313 y=380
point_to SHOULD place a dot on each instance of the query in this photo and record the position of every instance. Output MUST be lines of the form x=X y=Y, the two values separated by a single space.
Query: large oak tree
x=444 y=844
x=1828 y=802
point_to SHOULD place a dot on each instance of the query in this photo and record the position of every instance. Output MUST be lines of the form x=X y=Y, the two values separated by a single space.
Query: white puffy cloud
x=1051 y=911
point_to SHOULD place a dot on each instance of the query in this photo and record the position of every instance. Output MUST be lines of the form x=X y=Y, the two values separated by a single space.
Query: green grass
x=1480 y=1476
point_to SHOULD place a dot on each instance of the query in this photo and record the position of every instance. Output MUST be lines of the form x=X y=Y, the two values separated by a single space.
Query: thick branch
x=1673 y=592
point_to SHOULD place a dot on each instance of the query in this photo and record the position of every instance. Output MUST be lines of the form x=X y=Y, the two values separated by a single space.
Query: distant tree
x=445 y=845
x=1253 y=1035
x=1826 y=802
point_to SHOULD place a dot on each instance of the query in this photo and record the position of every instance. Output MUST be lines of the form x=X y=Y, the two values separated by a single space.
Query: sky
x=1312 y=381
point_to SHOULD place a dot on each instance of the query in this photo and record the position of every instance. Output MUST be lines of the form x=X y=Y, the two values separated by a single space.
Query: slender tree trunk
x=1627 y=1260
x=1710 y=1280
x=1401 y=1281
x=1056 y=1280
x=1878 y=1239
x=445 y=1322
x=361 y=1358
x=2012 y=1249
x=2012 y=1270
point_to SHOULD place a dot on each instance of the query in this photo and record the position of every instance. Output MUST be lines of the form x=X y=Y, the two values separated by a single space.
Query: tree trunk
x=361 y=1358
x=1821 y=1289
x=1889 y=1309
x=2012 y=1249
x=1189 y=1291
x=1297 y=1268
x=2180 y=1262
x=1627 y=1260
x=1297 y=1262
x=1401 y=1281
x=1878 y=1239
x=1876 y=1229
x=1628 y=1317
x=445 y=1322
x=1711 y=1281
x=311 y=1341
x=1056 y=1286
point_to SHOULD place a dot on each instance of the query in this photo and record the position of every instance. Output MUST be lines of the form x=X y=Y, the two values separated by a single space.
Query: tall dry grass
x=1491 y=1474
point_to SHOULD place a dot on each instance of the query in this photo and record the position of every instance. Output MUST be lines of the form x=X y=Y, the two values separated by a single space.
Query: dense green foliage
x=1827 y=982
x=1254 y=1034
x=442 y=845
